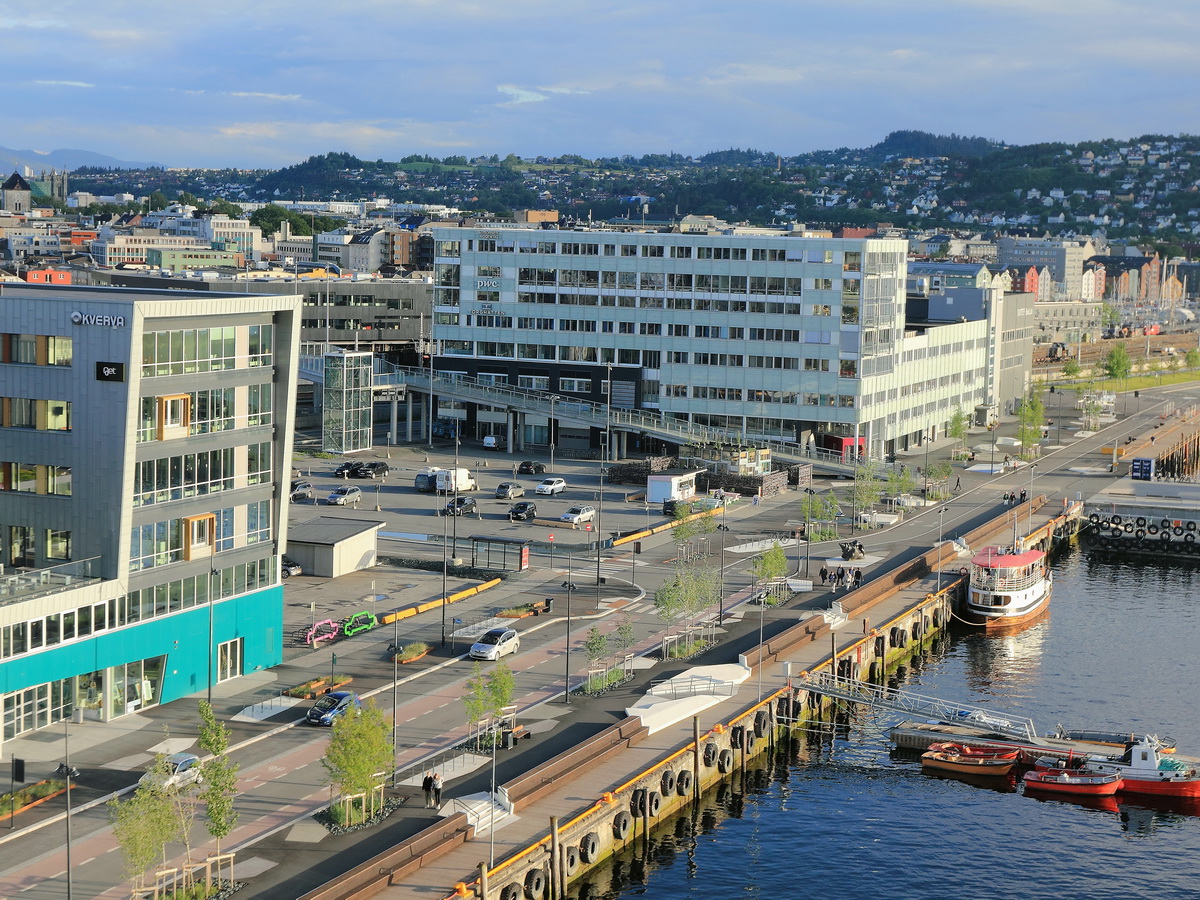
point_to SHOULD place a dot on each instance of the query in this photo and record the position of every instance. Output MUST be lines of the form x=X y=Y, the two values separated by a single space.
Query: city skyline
x=268 y=85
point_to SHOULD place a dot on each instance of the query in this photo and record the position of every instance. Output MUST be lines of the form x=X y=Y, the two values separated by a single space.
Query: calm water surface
x=841 y=814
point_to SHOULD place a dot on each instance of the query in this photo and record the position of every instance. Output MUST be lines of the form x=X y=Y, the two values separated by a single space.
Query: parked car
x=425 y=480
x=460 y=506
x=494 y=442
x=345 y=496
x=327 y=710
x=529 y=467
x=302 y=490
x=672 y=507
x=523 y=511
x=183 y=769
x=495 y=644
x=509 y=490
x=577 y=515
x=346 y=469
x=551 y=486
x=289 y=567
x=374 y=469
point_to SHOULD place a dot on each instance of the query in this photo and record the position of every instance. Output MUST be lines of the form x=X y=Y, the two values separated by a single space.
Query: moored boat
x=966 y=765
x=1084 y=782
x=975 y=752
x=1145 y=769
x=1007 y=588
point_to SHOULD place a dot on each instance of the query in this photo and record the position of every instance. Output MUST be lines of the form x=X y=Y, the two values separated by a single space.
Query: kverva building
x=145 y=442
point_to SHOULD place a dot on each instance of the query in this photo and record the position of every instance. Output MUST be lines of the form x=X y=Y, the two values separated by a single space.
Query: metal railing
x=882 y=697
x=26 y=584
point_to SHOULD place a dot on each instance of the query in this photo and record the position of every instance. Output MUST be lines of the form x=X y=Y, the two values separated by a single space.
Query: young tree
x=476 y=699
x=899 y=481
x=957 y=427
x=141 y=824
x=1071 y=368
x=501 y=687
x=669 y=600
x=596 y=645
x=1030 y=417
x=1116 y=363
x=770 y=564
x=360 y=749
x=939 y=474
x=625 y=635
x=220 y=776
x=867 y=487
x=1192 y=358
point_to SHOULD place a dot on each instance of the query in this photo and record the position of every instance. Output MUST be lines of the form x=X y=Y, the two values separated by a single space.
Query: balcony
x=17 y=586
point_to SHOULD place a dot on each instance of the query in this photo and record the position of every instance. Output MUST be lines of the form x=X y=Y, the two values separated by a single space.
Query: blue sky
x=268 y=83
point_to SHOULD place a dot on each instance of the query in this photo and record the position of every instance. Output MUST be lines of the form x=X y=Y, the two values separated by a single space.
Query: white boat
x=1007 y=588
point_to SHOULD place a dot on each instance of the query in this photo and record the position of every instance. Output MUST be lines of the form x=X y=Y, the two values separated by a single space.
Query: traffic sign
x=549 y=537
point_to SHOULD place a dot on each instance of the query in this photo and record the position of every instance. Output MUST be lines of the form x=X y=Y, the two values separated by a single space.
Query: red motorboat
x=1145 y=769
x=976 y=753
x=1077 y=782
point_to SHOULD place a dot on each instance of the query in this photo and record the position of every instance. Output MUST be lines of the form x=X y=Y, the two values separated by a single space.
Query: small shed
x=677 y=485
x=329 y=546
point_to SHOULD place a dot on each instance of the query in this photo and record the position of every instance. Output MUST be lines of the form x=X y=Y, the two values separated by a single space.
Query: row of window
x=202 y=412
x=192 y=350
x=35 y=478
x=42 y=415
x=136 y=606
x=36 y=349
x=851 y=260
x=197 y=474
x=649 y=359
x=192 y=537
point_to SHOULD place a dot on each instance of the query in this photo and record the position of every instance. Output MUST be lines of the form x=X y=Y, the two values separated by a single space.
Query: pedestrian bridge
x=388 y=377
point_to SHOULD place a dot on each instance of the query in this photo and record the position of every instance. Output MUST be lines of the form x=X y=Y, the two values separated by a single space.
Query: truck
x=426 y=479
x=456 y=480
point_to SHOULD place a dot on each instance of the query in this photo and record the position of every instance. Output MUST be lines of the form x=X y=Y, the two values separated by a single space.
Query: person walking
x=1024 y=495
x=427 y=787
x=858 y=576
x=824 y=573
x=437 y=789
x=957 y=483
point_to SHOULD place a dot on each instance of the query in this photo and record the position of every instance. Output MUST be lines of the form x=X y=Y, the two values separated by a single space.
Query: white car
x=577 y=515
x=347 y=495
x=551 y=486
x=495 y=644
x=183 y=769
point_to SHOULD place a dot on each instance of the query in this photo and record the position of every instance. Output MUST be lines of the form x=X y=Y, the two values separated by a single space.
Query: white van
x=456 y=480
x=494 y=442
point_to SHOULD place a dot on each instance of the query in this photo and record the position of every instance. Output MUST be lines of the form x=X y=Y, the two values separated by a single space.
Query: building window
x=58 y=546
x=174 y=416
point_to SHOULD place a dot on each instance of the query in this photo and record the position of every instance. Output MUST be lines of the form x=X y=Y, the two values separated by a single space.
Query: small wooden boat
x=966 y=765
x=1086 y=782
x=976 y=752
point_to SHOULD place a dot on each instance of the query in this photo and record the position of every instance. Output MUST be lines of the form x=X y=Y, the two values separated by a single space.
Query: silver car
x=347 y=495
x=509 y=490
x=495 y=644
x=182 y=770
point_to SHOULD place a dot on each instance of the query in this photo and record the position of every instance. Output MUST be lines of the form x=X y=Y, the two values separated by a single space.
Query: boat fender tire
x=667 y=782
x=1190 y=526
x=1115 y=533
x=1129 y=528
x=881 y=641
x=762 y=723
x=962 y=570
x=899 y=637
x=916 y=631
x=1140 y=534
x=1164 y=524
x=1115 y=519
x=725 y=761
x=511 y=892
x=937 y=623
x=1165 y=537
x=1094 y=518
x=571 y=859
x=1189 y=538
x=621 y=824
x=1152 y=530
x=710 y=753
x=637 y=801
x=1141 y=521
x=535 y=884
x=653 y=803
x=683 y=782
x=1177 y=531
x=589 y=848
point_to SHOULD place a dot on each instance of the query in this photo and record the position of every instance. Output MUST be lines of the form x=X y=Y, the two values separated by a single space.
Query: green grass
x=411 y=651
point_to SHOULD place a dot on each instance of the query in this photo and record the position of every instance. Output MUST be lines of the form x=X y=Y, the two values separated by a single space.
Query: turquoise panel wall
x=182 y=637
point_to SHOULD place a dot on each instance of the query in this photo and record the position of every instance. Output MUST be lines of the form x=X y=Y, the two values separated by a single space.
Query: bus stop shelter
x=503 y=554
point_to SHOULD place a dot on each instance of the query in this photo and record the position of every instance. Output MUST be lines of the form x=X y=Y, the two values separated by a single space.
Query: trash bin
x=548 y=604
x=507 y=739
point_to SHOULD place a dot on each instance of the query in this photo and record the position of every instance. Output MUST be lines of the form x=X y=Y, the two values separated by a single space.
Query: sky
x=265 y=83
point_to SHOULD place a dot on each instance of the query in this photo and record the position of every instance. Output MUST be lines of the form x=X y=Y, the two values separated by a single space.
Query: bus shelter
x=502 y=554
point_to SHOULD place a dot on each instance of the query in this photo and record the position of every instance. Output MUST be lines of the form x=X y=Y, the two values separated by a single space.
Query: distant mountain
x=11 y=160
x=922 y=144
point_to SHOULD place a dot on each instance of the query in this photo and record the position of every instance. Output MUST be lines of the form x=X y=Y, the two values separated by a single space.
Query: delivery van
x=456 y=480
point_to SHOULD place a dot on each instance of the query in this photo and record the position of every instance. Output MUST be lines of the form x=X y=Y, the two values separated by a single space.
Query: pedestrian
x=824 y=573
x=427 y=787
x=841 y=575
x=957 y=483
x=437 y=789
x=1024 y=495
x=858 y=577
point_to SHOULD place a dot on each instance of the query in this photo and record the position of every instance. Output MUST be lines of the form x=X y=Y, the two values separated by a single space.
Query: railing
x=25 y=584
x=882 y=697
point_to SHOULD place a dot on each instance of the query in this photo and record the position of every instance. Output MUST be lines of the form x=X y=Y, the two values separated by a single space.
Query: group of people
x=432 y=786
x=841 y=577
x=1011 y=498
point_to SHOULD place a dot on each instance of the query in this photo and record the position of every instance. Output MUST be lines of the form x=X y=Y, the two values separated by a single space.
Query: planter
x=8 y=812
x=413 y=659
x=521 y=615
x=336 y=686
x=308 y=690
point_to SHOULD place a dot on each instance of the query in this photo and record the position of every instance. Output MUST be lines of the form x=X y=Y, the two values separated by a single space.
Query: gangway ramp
x=908 y=703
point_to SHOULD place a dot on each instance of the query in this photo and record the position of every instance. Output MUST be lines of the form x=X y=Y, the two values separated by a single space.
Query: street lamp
x=807 y=516
x=721 y=598
x=570 y=586
x=396 y=684
x=941 y=509
x=550 y=430
x=67 y=771
x=445 y=573
x=1032 y=466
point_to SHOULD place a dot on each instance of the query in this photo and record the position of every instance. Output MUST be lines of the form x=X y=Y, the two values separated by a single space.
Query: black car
x=346 y=470
x=371 y=470
x=523 y=511
x=529 y=467
x=460 y=506
x=671 y=508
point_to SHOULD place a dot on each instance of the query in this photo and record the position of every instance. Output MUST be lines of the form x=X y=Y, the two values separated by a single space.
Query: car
x=523 y=511
x=676 y=507
x=371 y=470
x=509 y=490
x=460 y=506
x=529 y=467
x=332 y=706
x=345 y=496
x=302 y=490
x=346 y=469
x=289 y=567
x=495 y=644
x=577 y=515
x=551 y=486
x=182 y=770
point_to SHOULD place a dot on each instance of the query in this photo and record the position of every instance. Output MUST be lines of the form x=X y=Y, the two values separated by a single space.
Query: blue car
x=329 y=708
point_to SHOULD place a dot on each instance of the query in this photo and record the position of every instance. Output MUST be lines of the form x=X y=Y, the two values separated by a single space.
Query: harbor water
x=839 y=813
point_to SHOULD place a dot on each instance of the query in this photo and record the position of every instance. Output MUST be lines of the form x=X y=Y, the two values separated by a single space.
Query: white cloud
x=78 y=84
x=520 y=94
x=258 y=95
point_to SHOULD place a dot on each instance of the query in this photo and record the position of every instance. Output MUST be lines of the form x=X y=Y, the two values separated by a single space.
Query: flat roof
x=331 y=530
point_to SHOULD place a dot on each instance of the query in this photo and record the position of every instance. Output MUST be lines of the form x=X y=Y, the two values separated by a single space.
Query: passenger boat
x=1085 y=782
x=1145 y=769
x=966 y=764
x=1007 y=588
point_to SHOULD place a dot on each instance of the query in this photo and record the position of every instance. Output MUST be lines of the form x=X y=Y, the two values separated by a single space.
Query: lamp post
x=992 y=429
x=550 y=429
x=721 y=597
x=396 y=686
x=807 y=517
x=67 y=771
x=569 y=585
x=941 y=509
x=1032 y=466
x=445 y=573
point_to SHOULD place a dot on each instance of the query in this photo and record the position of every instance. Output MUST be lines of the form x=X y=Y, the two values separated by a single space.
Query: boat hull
x=992 y=620
x=965 y=765
x=1075 y=785
x=1185 y=788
